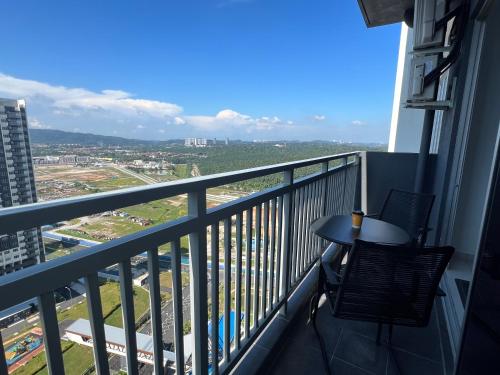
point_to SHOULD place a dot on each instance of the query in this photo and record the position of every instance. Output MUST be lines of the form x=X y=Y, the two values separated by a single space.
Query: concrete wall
x=406 y=123
x=390 y=170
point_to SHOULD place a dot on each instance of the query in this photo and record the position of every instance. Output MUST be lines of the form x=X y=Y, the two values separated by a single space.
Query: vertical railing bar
x=258 y=214
x=3 y=361
x=300 y=241
x=308 y=223
x=324 y=169
x=279 y=243
x=285 y=266
x=273 y=252
x=239 y=251
x=227 y=287
x=94 y=307
x=344 y=162
x=197 y=208
x=265 y=258
x=329 y=186
x=155 y=306
x=248 y=270
x=338 y=193
x=314 y=202
x=303 y=218
x=214 y=338
x=310 y=201
x=51 y=338
x=335 y=193
x=295 y=232
x=175 y=248
x=127 y=298
x=317 y=214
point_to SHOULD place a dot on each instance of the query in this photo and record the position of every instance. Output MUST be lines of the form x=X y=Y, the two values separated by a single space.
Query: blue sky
x=248 y=69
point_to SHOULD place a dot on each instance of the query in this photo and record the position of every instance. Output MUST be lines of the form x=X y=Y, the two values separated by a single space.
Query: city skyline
x=160 y=79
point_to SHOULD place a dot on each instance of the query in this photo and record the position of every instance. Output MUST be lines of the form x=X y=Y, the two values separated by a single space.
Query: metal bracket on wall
x=437 y=105
x=430 y=51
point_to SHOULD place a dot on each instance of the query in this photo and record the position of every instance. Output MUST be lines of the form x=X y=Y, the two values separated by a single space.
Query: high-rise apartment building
x=17 y=186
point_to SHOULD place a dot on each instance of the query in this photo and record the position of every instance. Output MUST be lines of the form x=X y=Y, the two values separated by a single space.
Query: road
x=148 y=180
x=25 y=324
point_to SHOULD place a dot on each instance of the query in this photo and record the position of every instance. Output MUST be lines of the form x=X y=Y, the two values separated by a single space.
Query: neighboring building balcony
x=253 y=265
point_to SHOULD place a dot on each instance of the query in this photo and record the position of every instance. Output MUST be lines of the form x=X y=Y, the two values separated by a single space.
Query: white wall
x=406 y=123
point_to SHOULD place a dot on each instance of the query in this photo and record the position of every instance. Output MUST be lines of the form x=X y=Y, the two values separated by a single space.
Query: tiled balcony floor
x=352 y=349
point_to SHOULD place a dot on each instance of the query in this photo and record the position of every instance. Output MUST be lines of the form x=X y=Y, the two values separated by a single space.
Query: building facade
x=17 y=186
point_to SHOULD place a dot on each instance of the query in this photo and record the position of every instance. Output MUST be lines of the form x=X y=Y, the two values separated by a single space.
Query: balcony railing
x=272 y=250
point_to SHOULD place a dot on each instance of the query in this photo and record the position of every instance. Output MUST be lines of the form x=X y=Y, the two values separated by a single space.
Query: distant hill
x=49 y=136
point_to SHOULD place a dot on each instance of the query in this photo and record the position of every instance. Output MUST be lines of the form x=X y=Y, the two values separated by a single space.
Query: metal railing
x=272 y=249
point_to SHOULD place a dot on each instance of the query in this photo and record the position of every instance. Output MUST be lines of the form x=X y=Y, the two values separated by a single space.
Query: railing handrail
x=32 y=215
x=283 y=214
x=60 y=271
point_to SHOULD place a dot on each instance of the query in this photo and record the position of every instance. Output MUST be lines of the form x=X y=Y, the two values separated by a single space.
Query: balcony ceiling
x=383 y=12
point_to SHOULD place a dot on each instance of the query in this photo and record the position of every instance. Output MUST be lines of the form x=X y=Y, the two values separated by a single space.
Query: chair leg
x=389 y=341
x=379 y=333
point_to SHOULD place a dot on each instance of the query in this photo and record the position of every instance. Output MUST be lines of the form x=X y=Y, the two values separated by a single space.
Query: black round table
x=338 y=229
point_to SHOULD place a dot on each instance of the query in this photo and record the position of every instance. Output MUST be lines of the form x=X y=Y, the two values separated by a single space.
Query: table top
x=338 y=229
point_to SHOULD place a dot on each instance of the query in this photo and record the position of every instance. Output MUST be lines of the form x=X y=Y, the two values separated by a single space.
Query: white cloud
x=179 y=121
x=229 y=119
x=35 y=123
x=117 y=112
x=357 y=122
x=64 y=100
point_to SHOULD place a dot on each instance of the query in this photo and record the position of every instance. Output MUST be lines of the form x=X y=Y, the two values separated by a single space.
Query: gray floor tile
x=403 y=363
x=423 y=341
x=362 y=352
x=339 y=367
x=255 y=356
x=352 y=349
x=298 y=360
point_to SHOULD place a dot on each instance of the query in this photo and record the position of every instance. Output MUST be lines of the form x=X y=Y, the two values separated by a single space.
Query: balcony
x=261 y=285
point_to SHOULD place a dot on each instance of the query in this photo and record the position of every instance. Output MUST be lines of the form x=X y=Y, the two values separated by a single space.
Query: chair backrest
x=391 y=284
x=407 y=210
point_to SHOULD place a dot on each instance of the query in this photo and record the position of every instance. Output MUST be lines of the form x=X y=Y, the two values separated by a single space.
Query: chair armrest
x=332 y=277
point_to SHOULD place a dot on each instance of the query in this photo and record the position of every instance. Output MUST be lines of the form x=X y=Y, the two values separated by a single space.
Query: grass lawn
x=77 y=359
x=55 y=249
x=108 y=227
x=182 y=170
x=110 y=298
x=166 y=279
x=158 y=211
x=76 y=233
x=115 y=180
x=165 y=248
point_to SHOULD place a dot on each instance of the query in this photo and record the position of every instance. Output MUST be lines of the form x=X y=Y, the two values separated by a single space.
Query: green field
x=111 y=311
x=55 y=249
x=182 y=170
x=114 y=183
x=158 y=211
x=78 y=358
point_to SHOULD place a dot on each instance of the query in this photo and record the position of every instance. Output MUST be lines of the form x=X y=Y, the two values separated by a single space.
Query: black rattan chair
x=385 y=284
x=409 y=211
